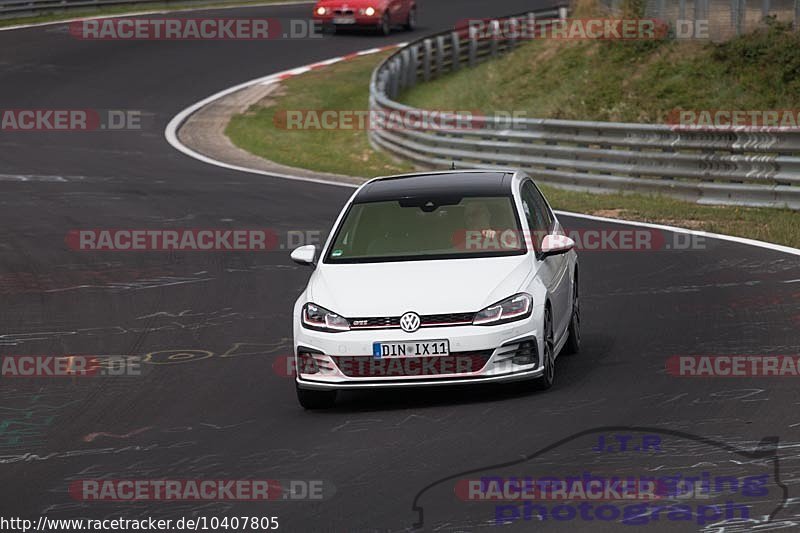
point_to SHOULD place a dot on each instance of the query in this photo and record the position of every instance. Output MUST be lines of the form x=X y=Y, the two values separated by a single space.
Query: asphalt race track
x=211 y=402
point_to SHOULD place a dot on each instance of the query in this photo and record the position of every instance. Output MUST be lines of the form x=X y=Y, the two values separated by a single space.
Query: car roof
x=433 y=184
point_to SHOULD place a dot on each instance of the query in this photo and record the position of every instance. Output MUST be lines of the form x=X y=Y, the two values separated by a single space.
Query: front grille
x=426 y=321
x=451 y=319
x=343 y=12
x=375 y=323
x=455 y=363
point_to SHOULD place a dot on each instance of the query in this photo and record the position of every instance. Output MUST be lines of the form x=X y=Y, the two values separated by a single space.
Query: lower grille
x=450 y=319
x=312 y=361
x=456 y=363
x=526 y=353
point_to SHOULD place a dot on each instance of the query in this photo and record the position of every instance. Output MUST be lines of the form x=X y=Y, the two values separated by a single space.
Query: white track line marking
x=171 y=131
x=171 y=134
x=673 y=229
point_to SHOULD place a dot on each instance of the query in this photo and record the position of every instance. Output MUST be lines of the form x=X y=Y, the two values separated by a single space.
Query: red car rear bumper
x=361 y=21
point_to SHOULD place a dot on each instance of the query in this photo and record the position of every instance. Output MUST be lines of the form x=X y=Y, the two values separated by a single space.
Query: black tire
x=385 y=27
x=411 y=22
x=316 y=399
x=548 y=356
x=573 y=344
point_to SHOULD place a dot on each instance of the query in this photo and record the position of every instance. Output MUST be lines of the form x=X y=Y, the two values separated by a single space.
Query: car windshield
x=427 y=228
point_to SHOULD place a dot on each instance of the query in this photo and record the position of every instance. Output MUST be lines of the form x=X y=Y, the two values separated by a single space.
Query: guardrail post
x=494 y=35
x=381 y=82
x=473 y=47
x=764 y=9
x=701 y=10
x=405 y=59
x=394 y=79
x=796 y=21
x=562 y=13
x=413 y=65
x=401 y=72
x=796 y=15
x=426 y=59
x=456 y=51
x=513 y=33
x=530 y=31
x=737 y=15
x=439 y=54
x=682 y=10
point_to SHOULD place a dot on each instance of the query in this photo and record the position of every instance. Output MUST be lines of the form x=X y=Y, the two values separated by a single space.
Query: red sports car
x=381 y=15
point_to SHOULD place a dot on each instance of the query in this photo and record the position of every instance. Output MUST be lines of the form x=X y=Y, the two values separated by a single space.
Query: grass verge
x=627 y=81
x=342 y=86
x=778 y=226
x=345 y=86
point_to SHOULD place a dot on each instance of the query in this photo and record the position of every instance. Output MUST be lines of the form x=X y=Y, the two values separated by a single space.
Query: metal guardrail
x=722 y=19
x=714 y=167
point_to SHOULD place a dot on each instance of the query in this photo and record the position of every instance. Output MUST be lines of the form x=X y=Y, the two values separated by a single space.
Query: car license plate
x=344 y=20
x=388 y=350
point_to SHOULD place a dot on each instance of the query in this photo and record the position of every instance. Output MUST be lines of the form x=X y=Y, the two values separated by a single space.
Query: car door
x=554 y=269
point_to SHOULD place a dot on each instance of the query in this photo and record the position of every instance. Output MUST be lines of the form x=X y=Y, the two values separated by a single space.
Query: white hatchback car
x=442 y=278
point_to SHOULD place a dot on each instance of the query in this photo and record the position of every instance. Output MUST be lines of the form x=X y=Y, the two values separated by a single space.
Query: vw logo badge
x=410 y=322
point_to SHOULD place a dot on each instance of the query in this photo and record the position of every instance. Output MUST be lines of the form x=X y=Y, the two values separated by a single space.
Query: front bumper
x=359 y=21
x=492 y=354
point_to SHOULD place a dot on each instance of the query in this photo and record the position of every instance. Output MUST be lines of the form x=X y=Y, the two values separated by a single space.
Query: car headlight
x=368 y=11
x=320 y=319
x=322 y=10
x=514 y=308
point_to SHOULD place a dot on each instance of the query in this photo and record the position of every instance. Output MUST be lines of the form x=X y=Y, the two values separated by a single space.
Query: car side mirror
x=556 y=245
x=305 y=255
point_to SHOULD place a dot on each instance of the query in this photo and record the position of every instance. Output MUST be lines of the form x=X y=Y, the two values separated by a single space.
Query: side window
x=540 y=219
x=548 y=215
